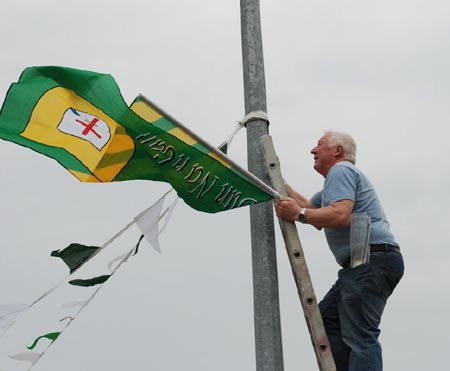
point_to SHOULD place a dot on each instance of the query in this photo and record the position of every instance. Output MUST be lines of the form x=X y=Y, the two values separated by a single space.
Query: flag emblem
x=99 y=143
x=85 y=126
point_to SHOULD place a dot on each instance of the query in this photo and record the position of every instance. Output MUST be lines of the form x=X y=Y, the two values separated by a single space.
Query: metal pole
x=268 y=344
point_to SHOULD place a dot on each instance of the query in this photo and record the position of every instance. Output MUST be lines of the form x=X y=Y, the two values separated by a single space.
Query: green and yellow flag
x=80 y=119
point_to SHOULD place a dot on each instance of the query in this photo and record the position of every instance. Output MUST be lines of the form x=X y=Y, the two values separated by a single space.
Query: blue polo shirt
x=345 y=181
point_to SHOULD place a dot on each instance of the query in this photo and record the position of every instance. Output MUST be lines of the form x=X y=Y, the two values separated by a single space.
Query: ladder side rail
x=299 y=267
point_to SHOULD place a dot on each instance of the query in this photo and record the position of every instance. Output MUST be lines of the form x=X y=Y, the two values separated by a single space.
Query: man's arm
x=336 y=215
x=300 y=199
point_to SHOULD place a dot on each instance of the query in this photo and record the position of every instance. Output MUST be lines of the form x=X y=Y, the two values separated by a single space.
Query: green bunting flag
x=51 y=336
x=80 y=119
x=75 y=255
x=90 y=281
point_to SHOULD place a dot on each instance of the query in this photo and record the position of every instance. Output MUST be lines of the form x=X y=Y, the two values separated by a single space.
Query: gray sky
x=378 y=70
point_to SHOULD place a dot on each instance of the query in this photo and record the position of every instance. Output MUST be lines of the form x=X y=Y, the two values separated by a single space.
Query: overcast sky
x=378 y=70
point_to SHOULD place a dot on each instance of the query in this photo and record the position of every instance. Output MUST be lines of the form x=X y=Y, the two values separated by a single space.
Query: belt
x=384 y=247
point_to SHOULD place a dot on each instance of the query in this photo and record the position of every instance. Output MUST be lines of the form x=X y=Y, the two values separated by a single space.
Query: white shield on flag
x=85 y=126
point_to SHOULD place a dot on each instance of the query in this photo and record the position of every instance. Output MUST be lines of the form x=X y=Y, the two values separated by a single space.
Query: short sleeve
x=340 y=184
x=316 y=199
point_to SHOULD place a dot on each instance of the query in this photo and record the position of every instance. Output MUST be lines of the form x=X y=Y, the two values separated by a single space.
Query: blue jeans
x=352 y=310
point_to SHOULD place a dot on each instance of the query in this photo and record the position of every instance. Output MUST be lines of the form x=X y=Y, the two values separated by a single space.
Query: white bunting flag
x=31 y=357
x=148 y=222
x=9 y=312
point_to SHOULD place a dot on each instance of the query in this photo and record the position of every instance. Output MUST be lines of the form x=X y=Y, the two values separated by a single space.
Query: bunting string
x=14 y=316
x=152 y=222
x=83 y=305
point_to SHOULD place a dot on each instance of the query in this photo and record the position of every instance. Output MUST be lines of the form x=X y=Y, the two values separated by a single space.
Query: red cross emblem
x=89 y=127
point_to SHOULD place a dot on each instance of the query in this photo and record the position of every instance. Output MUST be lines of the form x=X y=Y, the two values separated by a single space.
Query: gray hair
x=339 y=138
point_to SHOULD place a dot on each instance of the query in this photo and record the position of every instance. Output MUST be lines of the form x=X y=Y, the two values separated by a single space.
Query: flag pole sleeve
x=214 y=150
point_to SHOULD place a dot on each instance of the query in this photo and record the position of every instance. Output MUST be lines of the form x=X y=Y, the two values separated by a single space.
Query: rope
x=254 y=116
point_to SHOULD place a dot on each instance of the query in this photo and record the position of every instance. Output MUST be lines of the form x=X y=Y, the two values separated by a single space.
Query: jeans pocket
x=393 y=270
x=354 y=280
x=357 y=271
x=387 y=271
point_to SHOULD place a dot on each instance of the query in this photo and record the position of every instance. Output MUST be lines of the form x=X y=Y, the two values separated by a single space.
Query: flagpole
x=268 y=343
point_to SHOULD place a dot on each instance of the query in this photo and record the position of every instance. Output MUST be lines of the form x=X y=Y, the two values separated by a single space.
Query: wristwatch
x=302 y=216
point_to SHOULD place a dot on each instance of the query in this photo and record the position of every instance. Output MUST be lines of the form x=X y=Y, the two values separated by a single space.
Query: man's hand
x=287 y=209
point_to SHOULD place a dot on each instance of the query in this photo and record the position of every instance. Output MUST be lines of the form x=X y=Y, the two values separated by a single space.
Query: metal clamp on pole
x=253 y=116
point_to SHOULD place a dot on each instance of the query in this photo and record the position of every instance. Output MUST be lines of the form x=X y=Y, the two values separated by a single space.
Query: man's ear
x=339 y=151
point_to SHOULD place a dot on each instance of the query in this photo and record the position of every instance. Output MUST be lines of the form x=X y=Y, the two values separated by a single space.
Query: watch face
x=301 y=217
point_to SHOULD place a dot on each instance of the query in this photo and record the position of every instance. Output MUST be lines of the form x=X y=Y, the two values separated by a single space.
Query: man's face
x=324 y=156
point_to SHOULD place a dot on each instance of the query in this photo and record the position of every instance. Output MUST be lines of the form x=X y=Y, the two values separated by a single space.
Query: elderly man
x=352 y=308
